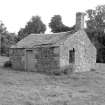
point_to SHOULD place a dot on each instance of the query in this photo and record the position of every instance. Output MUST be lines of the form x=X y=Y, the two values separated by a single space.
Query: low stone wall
x=17 y=62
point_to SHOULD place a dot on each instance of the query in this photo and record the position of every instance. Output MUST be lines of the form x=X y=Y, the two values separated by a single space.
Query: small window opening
x=72 y=56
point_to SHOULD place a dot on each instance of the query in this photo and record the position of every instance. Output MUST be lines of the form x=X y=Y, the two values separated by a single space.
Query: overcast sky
x=16 y=13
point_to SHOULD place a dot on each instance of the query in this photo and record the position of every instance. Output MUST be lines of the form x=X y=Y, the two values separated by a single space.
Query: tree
x=7 y=39
x=96 y=23
x=3 y=29
x=35 y=25
x=96 y=28
x=96 y=18
x=57 y=25
x=21 y=34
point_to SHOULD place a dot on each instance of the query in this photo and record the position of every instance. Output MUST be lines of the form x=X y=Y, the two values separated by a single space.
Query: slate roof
x=33 y=40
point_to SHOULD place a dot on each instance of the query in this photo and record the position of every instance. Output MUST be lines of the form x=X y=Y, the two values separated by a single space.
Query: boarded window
x=71 y=56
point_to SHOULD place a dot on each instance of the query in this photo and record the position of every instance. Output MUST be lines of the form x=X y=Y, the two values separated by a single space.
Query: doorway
x=72 y=56
x=30 y=65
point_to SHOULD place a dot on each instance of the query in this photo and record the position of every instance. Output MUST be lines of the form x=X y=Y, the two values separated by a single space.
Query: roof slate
x=33 y=40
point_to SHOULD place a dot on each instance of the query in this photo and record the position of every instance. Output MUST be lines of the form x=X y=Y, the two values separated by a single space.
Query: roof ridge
x=50 y=33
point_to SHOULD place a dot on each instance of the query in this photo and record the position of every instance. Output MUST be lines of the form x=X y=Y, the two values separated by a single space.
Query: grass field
x=22 y=88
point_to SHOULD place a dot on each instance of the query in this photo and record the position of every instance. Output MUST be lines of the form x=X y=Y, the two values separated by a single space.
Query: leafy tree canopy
x=96 y=28
x=57 y=25
x=35 y=25
x=7 y=39
x=96 y=18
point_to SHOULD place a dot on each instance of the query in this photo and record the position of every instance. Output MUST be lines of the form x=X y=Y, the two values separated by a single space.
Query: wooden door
x=30 y=60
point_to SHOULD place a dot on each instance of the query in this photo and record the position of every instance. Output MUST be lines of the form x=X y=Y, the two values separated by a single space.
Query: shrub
x=7 y=64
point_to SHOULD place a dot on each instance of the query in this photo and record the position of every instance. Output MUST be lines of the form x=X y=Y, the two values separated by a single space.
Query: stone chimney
x=80 y=20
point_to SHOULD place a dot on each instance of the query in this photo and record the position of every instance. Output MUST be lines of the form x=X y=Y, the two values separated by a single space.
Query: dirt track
x=22 y=88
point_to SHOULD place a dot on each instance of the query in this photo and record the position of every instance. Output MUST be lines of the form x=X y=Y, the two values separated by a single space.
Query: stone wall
x=17 y=58
x=85 y=52
x=47 y=59
x=42 y=59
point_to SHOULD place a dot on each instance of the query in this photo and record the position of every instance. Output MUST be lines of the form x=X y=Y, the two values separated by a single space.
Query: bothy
x=52 y=52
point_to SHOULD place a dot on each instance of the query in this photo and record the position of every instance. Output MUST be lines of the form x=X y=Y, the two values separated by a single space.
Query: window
x=29 y=51
x=72 y=56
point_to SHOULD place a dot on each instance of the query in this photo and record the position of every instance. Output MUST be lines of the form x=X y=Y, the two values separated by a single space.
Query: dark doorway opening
x=72 y=56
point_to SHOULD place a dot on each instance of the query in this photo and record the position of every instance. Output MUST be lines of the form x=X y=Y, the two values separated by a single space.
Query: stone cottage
x=51 y=52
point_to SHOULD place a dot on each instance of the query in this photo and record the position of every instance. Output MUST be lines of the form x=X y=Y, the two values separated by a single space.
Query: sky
x=16 y=13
